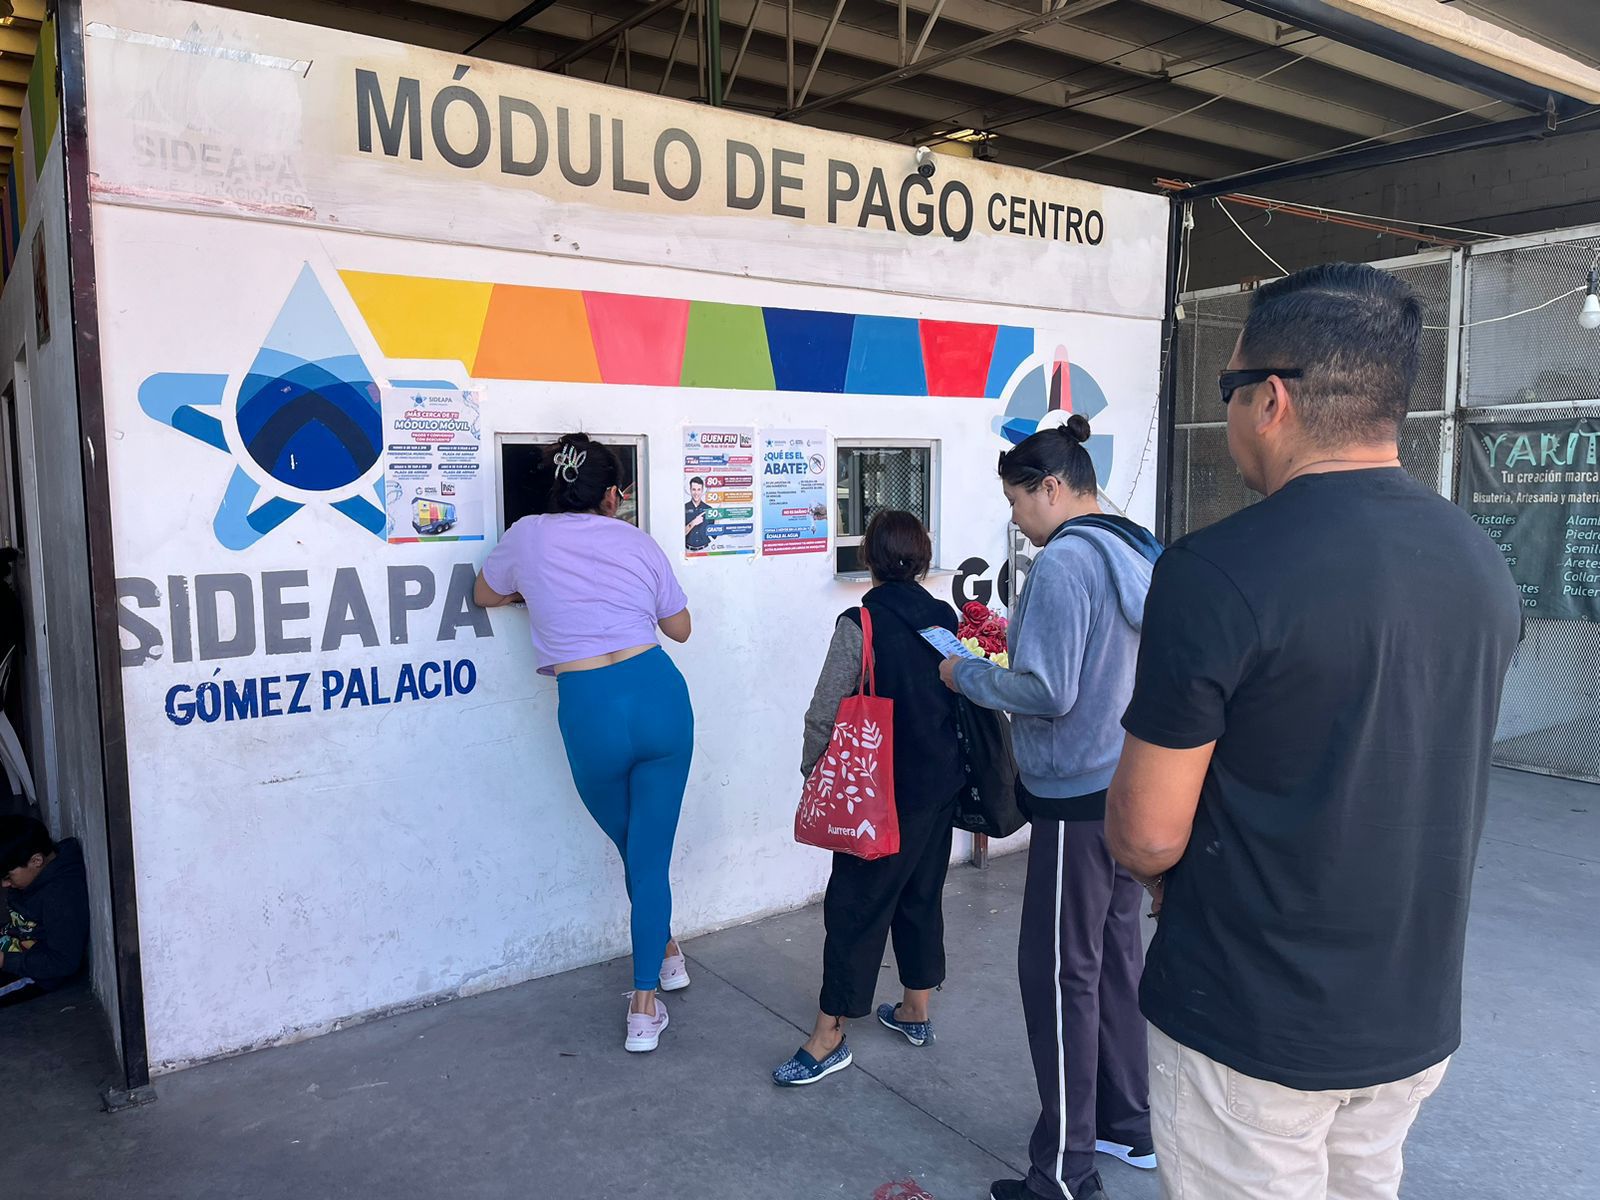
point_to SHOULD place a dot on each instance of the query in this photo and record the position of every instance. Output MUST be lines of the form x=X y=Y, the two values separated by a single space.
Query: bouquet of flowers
x=983 y=631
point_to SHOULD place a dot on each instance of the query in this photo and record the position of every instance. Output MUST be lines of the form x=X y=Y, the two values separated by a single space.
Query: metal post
x=714 y=51
x=902 y=35
x=788 y=38
x=1167 y=413
x=980 y=851
x=700 y=47
x=90 y=418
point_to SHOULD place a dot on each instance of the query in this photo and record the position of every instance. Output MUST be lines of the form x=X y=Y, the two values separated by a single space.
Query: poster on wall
x=1534 y=487
x=794 y=491
x=433 y=465
x=719 y=490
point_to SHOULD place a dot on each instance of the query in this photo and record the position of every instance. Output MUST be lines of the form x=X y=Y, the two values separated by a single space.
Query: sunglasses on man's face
x=1230 y=382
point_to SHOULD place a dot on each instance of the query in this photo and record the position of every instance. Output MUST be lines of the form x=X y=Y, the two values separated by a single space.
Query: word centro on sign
x=232 y=615
x=590 y=150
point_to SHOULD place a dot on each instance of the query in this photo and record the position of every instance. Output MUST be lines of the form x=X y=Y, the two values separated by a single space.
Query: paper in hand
x=945 y=642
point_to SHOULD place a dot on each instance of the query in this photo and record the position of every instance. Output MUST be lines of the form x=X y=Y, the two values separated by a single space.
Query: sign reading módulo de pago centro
x=1534 y=487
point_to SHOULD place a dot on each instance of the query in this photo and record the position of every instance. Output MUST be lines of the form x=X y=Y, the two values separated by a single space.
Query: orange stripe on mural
x=537 y=333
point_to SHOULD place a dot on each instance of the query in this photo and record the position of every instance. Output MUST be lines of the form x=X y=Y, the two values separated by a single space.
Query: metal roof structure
x=1115 y=91
x=19 y=37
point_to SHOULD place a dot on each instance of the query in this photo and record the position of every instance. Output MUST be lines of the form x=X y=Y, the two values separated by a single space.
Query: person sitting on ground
x=44 y=910
x=903 y=893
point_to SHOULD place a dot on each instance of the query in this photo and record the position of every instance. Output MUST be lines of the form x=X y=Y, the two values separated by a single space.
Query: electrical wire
x=1342 y=212
x=959 y=117
x=1056 y=162
x=1217 y=202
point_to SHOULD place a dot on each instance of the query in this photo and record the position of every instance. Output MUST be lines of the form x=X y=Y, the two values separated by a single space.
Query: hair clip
x=567 y=462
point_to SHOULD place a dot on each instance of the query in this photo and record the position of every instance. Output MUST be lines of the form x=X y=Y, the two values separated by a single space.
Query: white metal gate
x=1501 y=341
x=1526 y=359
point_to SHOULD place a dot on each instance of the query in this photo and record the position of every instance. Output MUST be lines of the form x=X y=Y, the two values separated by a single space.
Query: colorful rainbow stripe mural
x=506 y=331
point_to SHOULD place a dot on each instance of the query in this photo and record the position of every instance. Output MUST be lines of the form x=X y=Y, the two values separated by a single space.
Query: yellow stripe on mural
x=422 y=318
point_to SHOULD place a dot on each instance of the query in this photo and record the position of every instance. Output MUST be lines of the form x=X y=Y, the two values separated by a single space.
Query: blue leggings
x=629 y=733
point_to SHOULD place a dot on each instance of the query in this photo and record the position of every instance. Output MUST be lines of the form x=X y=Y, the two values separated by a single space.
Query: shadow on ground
x=526 y=1092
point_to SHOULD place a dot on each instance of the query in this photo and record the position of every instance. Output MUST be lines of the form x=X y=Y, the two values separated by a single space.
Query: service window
x=526 y=475
x=881 y=475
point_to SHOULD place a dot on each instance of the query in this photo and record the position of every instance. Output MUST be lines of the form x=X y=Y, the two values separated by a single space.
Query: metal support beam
x=998 y=38
x=617 y=30
x=927 y=28
x=816 y=59
x=1522 y=129
x=514 y=22
x=677 y=42
x=744 y=45
x=1317 y=16
x=903 y=58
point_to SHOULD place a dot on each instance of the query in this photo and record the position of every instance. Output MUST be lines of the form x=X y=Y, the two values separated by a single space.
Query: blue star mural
x=308 y=415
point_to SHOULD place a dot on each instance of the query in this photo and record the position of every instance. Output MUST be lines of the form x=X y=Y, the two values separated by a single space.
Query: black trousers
x=867 y=901
x=1079 y=958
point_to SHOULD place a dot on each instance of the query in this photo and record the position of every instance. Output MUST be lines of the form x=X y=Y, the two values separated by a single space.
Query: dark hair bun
x=1078 y=428
x=584 y=470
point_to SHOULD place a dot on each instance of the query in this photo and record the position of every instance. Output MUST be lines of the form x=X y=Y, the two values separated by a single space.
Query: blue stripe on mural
x=886 y=358
x=1012 y=345
x=810 y=350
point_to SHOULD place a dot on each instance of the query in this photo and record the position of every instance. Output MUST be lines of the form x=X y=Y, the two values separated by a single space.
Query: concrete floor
x=526 y=1092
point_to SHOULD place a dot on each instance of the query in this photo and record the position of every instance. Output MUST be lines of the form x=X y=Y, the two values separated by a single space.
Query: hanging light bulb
x=1589 y=316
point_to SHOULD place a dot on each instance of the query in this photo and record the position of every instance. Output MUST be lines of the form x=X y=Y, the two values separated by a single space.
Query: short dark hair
x=1056 y=451
x=20 y=839
x=597 y=473
x=897 y=547
x=697 y=479
x=1355 y=332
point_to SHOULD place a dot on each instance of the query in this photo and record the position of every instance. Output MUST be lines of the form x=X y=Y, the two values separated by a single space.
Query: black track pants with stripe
x=1079 y=957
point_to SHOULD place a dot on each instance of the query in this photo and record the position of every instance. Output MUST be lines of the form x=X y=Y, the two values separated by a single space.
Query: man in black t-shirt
x=1307 y=760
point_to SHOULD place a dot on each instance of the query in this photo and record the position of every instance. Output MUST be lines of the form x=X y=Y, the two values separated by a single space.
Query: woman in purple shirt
x=597 y=590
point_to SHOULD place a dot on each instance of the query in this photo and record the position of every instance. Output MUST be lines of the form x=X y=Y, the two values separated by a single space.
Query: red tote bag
x=848 y=802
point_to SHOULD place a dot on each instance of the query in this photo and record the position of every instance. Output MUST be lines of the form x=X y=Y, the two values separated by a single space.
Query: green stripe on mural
x=726 y=347
x=44 y=106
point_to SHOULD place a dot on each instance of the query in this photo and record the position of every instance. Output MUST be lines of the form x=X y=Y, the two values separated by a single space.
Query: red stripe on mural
x=956 y=357
x=638 y=339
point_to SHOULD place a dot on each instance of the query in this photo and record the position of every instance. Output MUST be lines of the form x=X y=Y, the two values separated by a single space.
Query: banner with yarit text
x=1534 y=487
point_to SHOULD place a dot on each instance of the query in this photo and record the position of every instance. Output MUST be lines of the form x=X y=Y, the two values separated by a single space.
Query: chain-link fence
x=1501 y=341
x=1528 y=359
x=1205 y=485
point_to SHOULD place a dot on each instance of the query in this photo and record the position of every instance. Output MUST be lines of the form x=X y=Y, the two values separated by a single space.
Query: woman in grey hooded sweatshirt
x=1073 y=640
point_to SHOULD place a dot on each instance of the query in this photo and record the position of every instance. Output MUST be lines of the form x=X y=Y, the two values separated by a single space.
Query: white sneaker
x=1143 y=1157
x=674 y=973
x=644 y=1029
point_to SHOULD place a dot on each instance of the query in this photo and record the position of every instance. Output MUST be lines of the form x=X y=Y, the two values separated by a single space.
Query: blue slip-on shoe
x=918 y=1033
x=803 y=1069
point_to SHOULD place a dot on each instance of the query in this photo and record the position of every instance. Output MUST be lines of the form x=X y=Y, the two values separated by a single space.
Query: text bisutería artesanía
x=405 y=118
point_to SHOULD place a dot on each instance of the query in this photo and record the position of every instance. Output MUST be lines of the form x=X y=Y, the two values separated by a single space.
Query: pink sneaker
x=674 y=973
x=644 y=1030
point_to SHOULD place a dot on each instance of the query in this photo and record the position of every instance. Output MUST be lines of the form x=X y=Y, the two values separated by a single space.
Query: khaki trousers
x=1221 y=1135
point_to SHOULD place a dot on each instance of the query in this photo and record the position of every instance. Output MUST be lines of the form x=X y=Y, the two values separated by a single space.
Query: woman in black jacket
x=902 y=894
